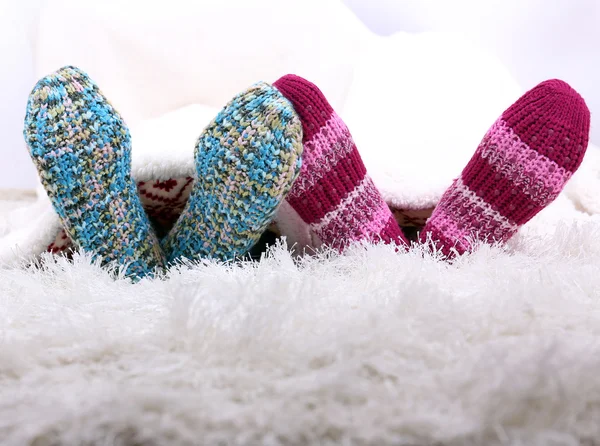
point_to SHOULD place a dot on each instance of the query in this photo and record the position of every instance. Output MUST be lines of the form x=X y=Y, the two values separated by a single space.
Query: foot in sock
x=246 y=162
x=521 y=165
x=81 y=149
x=333 y=193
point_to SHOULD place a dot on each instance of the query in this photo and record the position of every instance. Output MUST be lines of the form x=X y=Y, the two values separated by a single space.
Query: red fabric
x=164 y=201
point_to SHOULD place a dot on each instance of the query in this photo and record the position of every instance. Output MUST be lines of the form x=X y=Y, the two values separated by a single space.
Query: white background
x=536 y=39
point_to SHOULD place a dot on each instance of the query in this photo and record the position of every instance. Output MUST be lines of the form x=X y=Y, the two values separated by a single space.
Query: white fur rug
x=373 y=347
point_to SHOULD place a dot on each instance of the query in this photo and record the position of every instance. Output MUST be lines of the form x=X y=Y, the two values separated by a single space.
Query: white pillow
x=418 y=107
x=152 y=57
x=163 y=147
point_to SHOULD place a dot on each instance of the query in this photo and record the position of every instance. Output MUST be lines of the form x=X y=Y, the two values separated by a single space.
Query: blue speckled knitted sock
x=82 y=150
x=246 y=162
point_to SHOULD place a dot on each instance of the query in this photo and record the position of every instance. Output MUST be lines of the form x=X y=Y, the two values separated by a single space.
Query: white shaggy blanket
x=372 y=347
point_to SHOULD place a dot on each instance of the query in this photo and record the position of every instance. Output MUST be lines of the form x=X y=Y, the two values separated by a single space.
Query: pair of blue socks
x=246 y=159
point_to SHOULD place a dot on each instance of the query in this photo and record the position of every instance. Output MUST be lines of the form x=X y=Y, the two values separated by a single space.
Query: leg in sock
x=333 y=192
x=81 y=149
x=521 y=165
x=246 y=162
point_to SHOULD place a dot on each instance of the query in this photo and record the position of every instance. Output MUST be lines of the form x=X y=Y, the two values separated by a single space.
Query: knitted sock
x=333 y=193
x=81 y=148
x=246 y=162
x=521 y=166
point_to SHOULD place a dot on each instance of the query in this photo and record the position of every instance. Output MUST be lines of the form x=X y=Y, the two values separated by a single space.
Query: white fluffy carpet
x=373 y=347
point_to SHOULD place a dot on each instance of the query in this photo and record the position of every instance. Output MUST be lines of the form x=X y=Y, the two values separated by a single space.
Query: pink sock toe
x=521 y=165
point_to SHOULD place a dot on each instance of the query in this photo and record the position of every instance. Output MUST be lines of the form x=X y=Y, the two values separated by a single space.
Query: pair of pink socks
x=520 y=166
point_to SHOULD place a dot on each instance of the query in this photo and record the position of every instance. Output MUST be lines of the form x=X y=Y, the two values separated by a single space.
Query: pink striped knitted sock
x=520 y=167
x=333 y=193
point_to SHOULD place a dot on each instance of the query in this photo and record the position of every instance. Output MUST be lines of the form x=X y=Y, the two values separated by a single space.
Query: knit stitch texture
x=521 y=165
x=246 y=162
x=333 y=193
x=82 y=150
